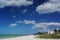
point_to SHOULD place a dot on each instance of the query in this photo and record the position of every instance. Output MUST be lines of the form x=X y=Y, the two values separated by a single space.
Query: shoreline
x=28 y=37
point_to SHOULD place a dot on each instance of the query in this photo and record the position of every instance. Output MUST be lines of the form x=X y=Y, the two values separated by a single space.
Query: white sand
x=30 y=37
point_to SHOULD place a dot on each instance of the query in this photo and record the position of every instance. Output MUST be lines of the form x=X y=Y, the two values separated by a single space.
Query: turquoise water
x=10 y=35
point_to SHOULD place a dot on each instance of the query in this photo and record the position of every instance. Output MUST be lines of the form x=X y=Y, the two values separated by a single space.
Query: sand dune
x=30 y=37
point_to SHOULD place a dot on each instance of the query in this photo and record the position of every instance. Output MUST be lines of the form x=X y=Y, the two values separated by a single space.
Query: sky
x=29 y=16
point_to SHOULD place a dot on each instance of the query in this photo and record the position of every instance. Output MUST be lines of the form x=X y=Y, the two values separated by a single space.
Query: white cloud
x=35 y=25
x=54 y=1
x=49 y=7
x=29 y=22
x=4 y=3
x=42 y=24
x=45 y=24
x=13 y=25
x=23 y=22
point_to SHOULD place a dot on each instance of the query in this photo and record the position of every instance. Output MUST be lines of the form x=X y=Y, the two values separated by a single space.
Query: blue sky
x=29 y=16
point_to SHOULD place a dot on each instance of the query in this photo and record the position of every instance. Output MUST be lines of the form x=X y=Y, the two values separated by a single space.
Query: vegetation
x=56 y=34
x=39 y=33
x=57 y=31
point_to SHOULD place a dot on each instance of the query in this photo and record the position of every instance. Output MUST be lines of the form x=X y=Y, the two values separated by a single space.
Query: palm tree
x=59 y=30
x=55 y=31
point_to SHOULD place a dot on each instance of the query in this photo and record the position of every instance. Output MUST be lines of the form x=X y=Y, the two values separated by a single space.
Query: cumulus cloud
x=29 y=22
x=35 y=25
x=49 y=7
x=38 y=25
x=23 y=22
x=4 y=3
x=45 y=24
x=13 y=25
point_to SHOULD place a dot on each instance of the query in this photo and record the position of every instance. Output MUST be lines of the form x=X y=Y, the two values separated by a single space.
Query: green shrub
x=50 y=36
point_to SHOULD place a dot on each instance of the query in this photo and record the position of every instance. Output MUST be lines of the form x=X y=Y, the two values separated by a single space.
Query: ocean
x=10 y=35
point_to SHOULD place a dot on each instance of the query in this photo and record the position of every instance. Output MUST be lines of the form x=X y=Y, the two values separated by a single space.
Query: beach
x=29 y=37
